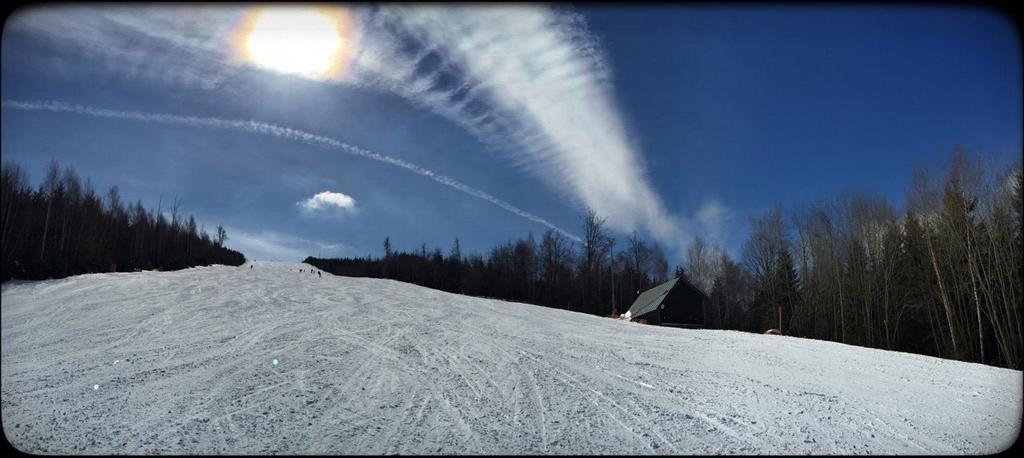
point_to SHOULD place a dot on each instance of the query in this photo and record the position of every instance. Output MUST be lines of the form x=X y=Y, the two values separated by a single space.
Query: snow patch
x=381 y=367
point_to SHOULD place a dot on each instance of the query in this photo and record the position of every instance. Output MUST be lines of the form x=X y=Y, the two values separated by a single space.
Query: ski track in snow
x=367 y=366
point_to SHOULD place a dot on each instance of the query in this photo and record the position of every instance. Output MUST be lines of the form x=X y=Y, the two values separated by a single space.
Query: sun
x=300 y=40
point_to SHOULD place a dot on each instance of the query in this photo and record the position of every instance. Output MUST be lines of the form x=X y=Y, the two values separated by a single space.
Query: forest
x=941 y=276
x=65 y=228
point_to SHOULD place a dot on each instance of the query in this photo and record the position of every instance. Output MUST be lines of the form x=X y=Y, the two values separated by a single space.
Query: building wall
x=684 y=306
x=652 y=317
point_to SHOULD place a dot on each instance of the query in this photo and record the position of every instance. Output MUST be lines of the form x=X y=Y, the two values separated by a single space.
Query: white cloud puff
x=326 y=199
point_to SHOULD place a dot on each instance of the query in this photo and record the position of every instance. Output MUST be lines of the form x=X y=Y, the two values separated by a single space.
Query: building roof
x=695 y=287
x=649 y=300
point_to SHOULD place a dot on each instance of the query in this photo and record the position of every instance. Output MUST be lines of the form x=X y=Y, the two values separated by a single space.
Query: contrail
x=531 y=83
x=281 y=132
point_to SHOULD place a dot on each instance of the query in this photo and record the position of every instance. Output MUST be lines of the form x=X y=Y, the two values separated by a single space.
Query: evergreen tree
x=64 y=228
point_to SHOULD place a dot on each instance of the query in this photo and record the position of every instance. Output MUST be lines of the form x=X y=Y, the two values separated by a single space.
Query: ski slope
x=183 y=362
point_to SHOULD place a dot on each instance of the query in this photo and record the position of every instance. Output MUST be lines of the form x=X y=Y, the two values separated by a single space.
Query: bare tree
x=222 y=235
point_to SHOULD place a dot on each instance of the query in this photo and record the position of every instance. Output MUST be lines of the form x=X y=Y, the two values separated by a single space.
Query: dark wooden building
x=676 y=302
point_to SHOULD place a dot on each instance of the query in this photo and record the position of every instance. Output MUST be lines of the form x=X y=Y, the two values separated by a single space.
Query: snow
x=182 y=362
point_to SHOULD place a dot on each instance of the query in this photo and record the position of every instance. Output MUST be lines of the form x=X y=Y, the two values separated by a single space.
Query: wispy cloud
x=712 y=219
x=326 y=200
x=529 y=81
x=275 y=246
x=532 y=83
x=180 y=46
x=280 y=132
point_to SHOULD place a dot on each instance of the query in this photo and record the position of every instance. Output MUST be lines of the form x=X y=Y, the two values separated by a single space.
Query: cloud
x=712 y=219
x=275 y=246
x=184 y=47
x=531 y=82
x=327 y=199
x=279 y=132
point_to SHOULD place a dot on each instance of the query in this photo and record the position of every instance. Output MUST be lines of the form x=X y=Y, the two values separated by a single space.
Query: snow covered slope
x=184 y=362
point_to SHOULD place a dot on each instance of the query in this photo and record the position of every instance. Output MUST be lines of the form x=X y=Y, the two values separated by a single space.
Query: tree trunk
x=942 y=292
x=46 y=228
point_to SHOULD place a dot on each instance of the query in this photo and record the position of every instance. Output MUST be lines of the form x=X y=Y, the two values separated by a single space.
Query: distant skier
x=250 y=266
x=318 y=274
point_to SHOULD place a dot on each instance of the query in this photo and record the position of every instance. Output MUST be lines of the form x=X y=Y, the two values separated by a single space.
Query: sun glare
x=304 y=41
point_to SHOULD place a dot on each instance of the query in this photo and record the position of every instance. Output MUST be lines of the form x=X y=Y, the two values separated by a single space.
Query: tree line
x=554 y=271
x=65 y=228
x=941 y=277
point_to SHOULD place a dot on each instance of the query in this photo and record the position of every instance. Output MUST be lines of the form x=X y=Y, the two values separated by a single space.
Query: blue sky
x=675 y=121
